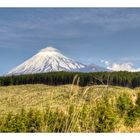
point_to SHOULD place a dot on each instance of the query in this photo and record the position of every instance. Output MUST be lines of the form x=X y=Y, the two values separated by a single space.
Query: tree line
x=122 y=78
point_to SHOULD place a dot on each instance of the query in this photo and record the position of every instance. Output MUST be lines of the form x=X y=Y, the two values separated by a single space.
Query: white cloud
x=127 y=66
x=123 y=67
x=105 y=62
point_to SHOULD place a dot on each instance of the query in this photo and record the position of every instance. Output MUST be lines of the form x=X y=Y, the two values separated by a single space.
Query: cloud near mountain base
x=120 y=66
x=123 y=67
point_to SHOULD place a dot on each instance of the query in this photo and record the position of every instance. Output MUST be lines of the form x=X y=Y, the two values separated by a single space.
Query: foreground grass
x=69 y=108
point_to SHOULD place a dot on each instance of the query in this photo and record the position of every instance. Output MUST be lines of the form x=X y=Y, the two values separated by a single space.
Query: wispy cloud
x=87 y=34
x=105 y=62
x=67 y=23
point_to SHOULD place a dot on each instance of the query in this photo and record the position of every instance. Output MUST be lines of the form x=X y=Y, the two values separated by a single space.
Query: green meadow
x=69 y=108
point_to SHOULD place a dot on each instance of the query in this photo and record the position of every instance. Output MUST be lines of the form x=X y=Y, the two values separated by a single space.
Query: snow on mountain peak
x=51 y=59
x=46 y=60
x=49 y=49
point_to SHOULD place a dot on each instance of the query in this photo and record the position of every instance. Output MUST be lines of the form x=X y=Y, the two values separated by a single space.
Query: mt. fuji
x=51 y=59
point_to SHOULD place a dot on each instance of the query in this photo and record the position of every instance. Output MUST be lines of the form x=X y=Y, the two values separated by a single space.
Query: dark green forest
x=122 y=78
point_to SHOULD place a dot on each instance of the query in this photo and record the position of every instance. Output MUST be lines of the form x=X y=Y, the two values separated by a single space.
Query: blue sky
x=105 y=36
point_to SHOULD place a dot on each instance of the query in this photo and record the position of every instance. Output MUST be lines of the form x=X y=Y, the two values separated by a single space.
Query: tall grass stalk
x=67 y=108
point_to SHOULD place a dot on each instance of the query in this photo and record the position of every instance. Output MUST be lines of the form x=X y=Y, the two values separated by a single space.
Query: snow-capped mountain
x=46 y=60
x=51 y=59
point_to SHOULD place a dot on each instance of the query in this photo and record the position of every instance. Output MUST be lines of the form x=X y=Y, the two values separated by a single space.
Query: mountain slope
x=48 y=59
x=51 y=59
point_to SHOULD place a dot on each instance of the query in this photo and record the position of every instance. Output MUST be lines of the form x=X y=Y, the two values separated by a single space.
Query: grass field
x=69 y=108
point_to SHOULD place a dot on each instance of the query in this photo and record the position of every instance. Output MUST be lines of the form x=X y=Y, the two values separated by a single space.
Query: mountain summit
x=47 y=60
x=51 y=59
x=49 y=49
